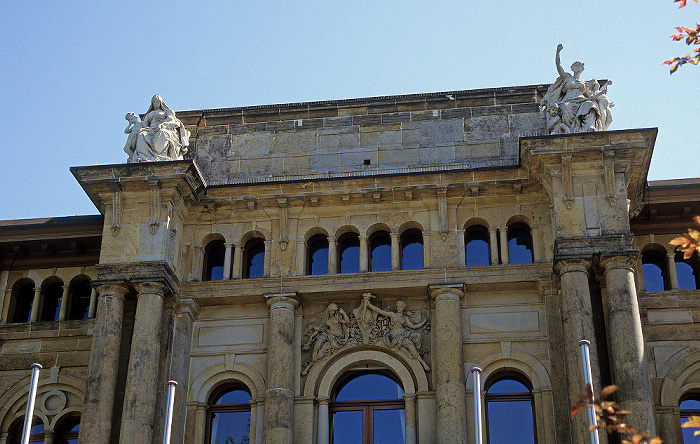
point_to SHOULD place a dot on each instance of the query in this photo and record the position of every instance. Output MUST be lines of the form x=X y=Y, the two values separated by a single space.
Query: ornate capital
x=282 y=300
x=112 y=290
x=157 y=288
x=621 y=262
x=446 y=291
x=572 y=265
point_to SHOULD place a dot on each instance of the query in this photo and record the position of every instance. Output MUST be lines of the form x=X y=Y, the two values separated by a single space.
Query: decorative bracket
x=116 y=209
x=609 y=164
x=442 y=211
x=284 y=223
x=567 y=180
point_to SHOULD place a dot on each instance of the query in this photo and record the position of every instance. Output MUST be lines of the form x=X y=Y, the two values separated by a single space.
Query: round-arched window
x=228 y=415
x=509 y=401
x=367 y=407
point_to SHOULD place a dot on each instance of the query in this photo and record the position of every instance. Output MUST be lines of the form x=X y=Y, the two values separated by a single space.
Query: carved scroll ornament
x=334 y=329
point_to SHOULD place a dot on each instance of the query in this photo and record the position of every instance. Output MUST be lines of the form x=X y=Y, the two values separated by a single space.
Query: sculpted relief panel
x=334 y=329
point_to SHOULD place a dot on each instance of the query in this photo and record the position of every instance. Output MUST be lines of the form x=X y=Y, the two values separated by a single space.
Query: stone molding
x=282 y=300
x=571 y=265
x=446 y=291
x=622 y=261
x=132 y=273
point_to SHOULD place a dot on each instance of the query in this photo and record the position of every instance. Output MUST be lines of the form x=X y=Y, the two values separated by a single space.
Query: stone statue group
x=333 y=329
x=572 y=105
x=159 y=136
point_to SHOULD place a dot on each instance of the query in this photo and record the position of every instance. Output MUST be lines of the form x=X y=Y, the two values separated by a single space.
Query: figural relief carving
x=334 y=329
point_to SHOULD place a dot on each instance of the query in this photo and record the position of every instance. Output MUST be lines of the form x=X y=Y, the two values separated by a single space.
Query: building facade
x=331 y=271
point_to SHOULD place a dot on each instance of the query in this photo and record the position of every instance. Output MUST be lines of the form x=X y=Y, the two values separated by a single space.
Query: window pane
x=477 y=248
x=350 y=255
x=508 y=386
x=412 y=252
x=653 y=277
x=215 y=262
x=230 y=428
x=389 y=426
x=380 y=254
x=318 y=257
x=370 y=386
x=52 y=302
x=79 y=307
x=510 y=422
x=347 y=427
x=23 y=304
x=233 y=396
x=687 y=279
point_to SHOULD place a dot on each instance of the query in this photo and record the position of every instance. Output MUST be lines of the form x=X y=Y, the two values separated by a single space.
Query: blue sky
x=70 y=71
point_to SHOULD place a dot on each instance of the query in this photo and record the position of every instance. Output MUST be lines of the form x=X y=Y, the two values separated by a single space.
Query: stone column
x=448 y=365
x=93 y=304
x=48 y=437
x=493 y=245
x=279 y=397
x=100 y=386
x=504 y=245
x=672 y=273
x=63 y=312
x=537 y=255
x=142 y=377
x=577 y=323
x=259 y=420
x=267 y=258
x=36 y=304
x=332 y=256
x=364 y=255
x=6 y=306
x=410 y=417
x=629 y=366
x=237 y=261
x=324 y=433
x=227 y=260
x=395 y=253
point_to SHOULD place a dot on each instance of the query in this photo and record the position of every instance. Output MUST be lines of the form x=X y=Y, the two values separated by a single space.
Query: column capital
x=114 y=290
x=229 y=244
x=157 y=288
x=394 y=235
x=620 y=262
x=282 y=300
x=563 y=266
x=446 y=291
x=322 y=401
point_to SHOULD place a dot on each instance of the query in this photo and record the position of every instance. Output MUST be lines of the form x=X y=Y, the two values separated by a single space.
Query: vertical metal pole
x=169 y=411
x=588 y=380
x=29 y=414
x=478 y=435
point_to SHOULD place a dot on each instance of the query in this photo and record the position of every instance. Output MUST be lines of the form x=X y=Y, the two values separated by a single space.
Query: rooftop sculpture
x=160 y=136
x=572 y=105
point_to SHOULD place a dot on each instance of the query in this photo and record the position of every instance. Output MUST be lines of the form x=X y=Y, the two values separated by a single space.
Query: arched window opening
x=53 y=298
x=214 y=254
x=654 y=271
x=476 y=245
x=509 y=401
x=412 y=250
x=228 y=415
x=690 y=406
x=254 y=258
x=67 y=431
x=367 y=407
x=380 y=251
x=21 y=302
x=79 y=301
x=519 y=244
x=317 y=260
x=349 y=253
x=36 y=433
x=687 y=272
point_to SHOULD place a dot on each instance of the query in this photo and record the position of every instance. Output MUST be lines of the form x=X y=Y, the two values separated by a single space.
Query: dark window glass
x=36 y=433
x=349 y=253
x=254 y=259
x=509 y=401
x=79 y=306
x=317 y=262
x=519 y=244
x=654 y=271
x=214 y=255
x=228 y=416
x=412 y=250
x=476 y=244
x=67 y=432
x=53 y=296
x=687 y=271
x=380 y=252
x=368 y=408
x=690 y=406
x=23 y=301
